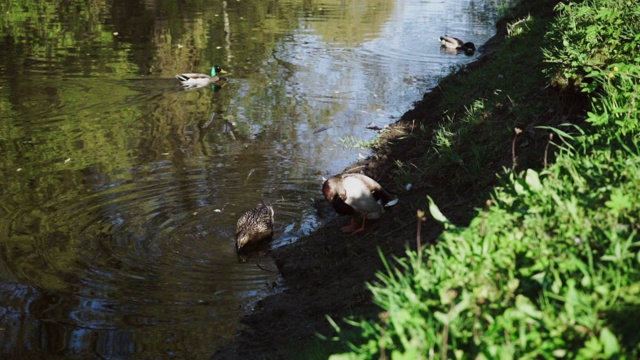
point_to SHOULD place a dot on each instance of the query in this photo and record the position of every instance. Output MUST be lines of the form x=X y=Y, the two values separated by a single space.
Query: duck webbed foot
x=350 y=227
x=361 y=228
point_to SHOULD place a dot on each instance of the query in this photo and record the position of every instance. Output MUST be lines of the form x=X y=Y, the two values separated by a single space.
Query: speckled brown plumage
x=254 y=227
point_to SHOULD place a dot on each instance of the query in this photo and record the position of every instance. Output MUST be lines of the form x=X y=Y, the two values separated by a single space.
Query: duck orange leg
x=361 y=228
x=350 y=227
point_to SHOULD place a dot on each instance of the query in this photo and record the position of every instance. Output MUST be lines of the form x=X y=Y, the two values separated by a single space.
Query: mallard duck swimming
x=195 y=80
x=451 y=42
x=254 y=227
x=357 y=193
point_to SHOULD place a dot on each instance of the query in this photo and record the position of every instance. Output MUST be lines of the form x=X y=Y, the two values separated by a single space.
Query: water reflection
x=120 y=192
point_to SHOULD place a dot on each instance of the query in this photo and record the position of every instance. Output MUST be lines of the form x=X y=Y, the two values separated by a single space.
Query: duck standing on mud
x=352 y=194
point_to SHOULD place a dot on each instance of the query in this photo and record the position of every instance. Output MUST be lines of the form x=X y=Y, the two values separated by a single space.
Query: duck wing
x=378 y=192
x=451 y=42
x=192 y=77
x=360 y=197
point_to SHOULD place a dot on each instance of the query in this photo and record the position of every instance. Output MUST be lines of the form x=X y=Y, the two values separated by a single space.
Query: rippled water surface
x=119 y=192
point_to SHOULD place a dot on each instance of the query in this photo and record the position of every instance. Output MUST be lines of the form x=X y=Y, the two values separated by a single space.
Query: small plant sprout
x=421 y=218
x=518 y=131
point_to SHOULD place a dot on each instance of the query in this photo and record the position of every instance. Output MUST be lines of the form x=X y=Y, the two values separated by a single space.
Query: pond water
x=120 y=192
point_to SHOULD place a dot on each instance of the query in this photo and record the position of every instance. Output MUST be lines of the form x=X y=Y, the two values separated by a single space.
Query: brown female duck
x=254 y=227
x=352 y=194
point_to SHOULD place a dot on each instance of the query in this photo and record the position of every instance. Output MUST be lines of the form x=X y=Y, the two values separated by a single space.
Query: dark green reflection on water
x=119 y=192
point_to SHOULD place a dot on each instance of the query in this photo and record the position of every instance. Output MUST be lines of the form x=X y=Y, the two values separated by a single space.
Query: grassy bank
x=549 y=267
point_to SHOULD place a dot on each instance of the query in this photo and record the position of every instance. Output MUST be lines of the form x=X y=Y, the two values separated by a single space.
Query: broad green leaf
x=436 y=213
x=533 y=180
x=442 y=317
x=609 y=342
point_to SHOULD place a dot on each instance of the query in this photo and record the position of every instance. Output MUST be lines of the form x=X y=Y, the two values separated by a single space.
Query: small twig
x=484 y=216
x=507 y=337
x=513 y=147
x=384 y=317
x=211 y=118
x=355 y=168
x=249 y=175
x=445 y=337
x=510 y=27
x=263 y=269
x=421 y=218
x=476 y=334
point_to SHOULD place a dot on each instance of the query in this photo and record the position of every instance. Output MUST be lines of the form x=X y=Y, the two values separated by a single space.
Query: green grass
x=551 y=267
x=350 y=142
x=590 y=36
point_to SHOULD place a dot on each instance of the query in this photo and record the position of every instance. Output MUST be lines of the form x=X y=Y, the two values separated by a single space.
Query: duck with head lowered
x=196 y=80
x=254 y=227
x=352 y=194
x=451 y=42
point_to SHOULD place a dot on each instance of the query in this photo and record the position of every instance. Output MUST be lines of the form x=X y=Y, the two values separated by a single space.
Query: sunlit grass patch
x=542 y=272
x=550 y=268
x=590 y=36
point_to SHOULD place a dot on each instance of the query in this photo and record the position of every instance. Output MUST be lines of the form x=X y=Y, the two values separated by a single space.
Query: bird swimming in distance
x=352 y=194
x=254 y=227
x=196 y=80
x=451 y=42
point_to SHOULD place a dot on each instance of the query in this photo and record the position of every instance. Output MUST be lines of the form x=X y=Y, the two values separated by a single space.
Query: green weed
x=351 y=142
x=590 y=36
x=551 y=267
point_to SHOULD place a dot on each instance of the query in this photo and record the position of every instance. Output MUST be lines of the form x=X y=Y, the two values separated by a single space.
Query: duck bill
x=222 y=71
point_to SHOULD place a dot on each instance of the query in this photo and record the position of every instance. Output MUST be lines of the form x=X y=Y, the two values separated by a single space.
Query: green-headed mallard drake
x=254 y=227
x=451 y=42
x=195 y=80
x=350 y=194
